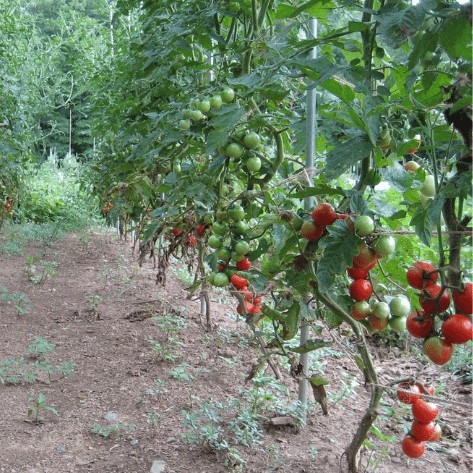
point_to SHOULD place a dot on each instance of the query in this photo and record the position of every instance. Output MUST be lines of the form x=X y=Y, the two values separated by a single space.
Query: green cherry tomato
x=196 y=115
x=364 y=225
x=228 y=94
x=221 y=280
x=236 y=257
x=240 y=228
x=234 y=150
x=216 y=102
x=242 y=247
x=185 y=124
x=204 y=106
x=224 y=254
x=385 y=246
x=220 y=228
x=398 y=324
x=251 y=140
x=215 y=242
x=236 y=212
x=253 y=164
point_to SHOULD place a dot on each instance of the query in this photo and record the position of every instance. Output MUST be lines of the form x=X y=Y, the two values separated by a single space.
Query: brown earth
x=115 y=372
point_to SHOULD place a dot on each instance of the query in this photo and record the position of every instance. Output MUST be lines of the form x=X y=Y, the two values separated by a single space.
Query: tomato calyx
x=419 y=324
x=421 y=275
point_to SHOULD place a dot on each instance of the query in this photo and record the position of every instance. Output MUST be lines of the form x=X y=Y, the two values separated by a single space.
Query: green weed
x=39 y=408
x=111 y=429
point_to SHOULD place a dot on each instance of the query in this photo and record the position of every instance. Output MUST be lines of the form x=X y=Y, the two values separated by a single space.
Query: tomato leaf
x=321 y=189
x=398 y=178
x=263 y=247
x=194 y=286
x=455 y=38
x=347 y=154
x=384 y=209
x=360 y=363
x=460 y=187
x=435 y=208
x=339 y=248
x=359 y=205
x=423 y=225
x=354 y=26
x=288 y=242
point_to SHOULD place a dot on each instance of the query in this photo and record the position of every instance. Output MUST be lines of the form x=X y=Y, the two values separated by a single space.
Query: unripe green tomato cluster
x=227 y=239
x=199 y=109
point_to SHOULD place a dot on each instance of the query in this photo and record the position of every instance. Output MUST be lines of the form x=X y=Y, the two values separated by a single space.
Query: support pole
x=308 y=204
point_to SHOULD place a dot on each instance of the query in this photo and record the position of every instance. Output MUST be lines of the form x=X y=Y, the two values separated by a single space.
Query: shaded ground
x=98 y=313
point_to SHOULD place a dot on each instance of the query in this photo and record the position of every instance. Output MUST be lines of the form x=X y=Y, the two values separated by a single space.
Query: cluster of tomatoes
x=423 y=429
x=202 y=109
x=107 y=208
x=8 y=203
x=228 y=237
x=251 y=303
x=380 y=314
x=190 y=240
x=434 y=299
x=322 y=216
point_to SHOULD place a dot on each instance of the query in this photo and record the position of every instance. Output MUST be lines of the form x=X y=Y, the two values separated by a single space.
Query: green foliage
x=116 y=429
x=14 y=372
x=40 y=347
x=222 y=426
x=54 y=193
x=39 y=408
x=20 y=302
x=168 y=346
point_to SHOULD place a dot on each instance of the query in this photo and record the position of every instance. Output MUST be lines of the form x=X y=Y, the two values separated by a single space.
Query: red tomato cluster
x=244 y=264
x=423 y=428
x=251 y=303
x=360 y=289
x=200 y=230
x=322 y=215
x=434 y=299
x=107 y=208
x=192 y=240
x=8 y=207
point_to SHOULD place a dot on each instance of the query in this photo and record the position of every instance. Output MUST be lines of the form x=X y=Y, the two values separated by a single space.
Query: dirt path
x=94 y=312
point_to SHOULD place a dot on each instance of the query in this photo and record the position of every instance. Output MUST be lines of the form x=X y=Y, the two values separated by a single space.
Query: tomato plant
x=215 y=135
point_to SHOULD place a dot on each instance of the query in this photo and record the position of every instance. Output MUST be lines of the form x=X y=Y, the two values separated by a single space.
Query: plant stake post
x=204 y=298
x=308 y=204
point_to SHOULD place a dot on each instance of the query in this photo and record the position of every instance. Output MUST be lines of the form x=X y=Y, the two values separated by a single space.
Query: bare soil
x=116 y=369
